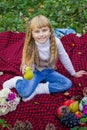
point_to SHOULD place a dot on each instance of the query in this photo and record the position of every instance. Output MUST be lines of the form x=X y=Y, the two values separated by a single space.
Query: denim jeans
x=57 y=82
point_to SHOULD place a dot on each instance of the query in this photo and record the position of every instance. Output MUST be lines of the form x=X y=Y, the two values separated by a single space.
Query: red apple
x=68 y=102
x=59 y=111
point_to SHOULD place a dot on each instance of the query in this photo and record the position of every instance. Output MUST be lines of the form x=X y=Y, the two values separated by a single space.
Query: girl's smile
x=41 y=35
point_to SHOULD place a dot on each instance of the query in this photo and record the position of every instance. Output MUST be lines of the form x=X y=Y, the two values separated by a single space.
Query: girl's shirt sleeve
x=64 y=58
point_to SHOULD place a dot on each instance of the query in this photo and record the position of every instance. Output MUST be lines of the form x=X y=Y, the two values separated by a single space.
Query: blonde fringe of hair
x=30 y=53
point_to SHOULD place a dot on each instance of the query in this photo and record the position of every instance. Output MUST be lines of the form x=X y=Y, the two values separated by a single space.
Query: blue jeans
x=57 y=82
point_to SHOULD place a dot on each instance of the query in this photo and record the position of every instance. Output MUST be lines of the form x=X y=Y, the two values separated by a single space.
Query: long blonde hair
x=30 y=54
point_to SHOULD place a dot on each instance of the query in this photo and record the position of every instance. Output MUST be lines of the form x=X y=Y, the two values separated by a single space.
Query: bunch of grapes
x=70 y=120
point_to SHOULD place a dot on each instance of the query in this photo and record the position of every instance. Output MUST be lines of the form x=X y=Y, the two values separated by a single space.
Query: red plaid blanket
x=41 y=109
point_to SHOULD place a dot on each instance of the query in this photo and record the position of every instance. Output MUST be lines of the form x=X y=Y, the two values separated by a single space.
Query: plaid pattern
x=41 y=110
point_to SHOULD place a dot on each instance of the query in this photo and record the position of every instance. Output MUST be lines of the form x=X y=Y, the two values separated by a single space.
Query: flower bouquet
x=8 y=101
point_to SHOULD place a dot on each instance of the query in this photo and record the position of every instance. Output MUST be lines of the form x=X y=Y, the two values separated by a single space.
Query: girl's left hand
x=80 y=73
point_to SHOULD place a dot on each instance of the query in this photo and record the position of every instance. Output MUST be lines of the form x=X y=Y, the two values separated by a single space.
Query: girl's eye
x=44 y=30
x=37 y=31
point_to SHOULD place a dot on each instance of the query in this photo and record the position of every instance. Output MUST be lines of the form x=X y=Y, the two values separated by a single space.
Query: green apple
x=28 y=73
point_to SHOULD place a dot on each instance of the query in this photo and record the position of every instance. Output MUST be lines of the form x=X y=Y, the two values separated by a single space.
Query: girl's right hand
x=23 y=68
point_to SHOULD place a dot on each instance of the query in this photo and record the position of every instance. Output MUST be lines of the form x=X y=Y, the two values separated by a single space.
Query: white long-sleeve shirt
x=44 y=52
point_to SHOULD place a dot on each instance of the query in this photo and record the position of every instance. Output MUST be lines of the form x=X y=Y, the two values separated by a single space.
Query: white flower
x=8 y=101
x=4 y=92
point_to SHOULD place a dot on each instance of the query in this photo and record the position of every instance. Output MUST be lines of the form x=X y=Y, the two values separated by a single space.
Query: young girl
x=40 y=52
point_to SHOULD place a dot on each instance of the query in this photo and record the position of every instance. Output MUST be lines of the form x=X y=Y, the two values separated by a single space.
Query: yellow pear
x=74 y=106
x=28 y=73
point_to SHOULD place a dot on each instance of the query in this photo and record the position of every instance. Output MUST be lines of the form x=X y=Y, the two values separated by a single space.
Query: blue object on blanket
x=62 y=32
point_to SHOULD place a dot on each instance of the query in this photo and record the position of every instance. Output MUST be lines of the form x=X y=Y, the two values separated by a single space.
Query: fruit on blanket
x=68 y=102
x=78 y=114
x=70 y=120
x=62 y=111
x=28 y=73
x=74 y=106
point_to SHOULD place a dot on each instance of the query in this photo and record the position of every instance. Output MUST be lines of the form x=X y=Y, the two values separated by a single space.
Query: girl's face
x=41 y=35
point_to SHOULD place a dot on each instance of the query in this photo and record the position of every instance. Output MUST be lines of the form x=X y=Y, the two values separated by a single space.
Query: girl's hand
x=23 y=68
x=80 y=73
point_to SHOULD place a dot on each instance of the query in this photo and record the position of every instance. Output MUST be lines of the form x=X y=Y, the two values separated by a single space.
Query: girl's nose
x=41 y=33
